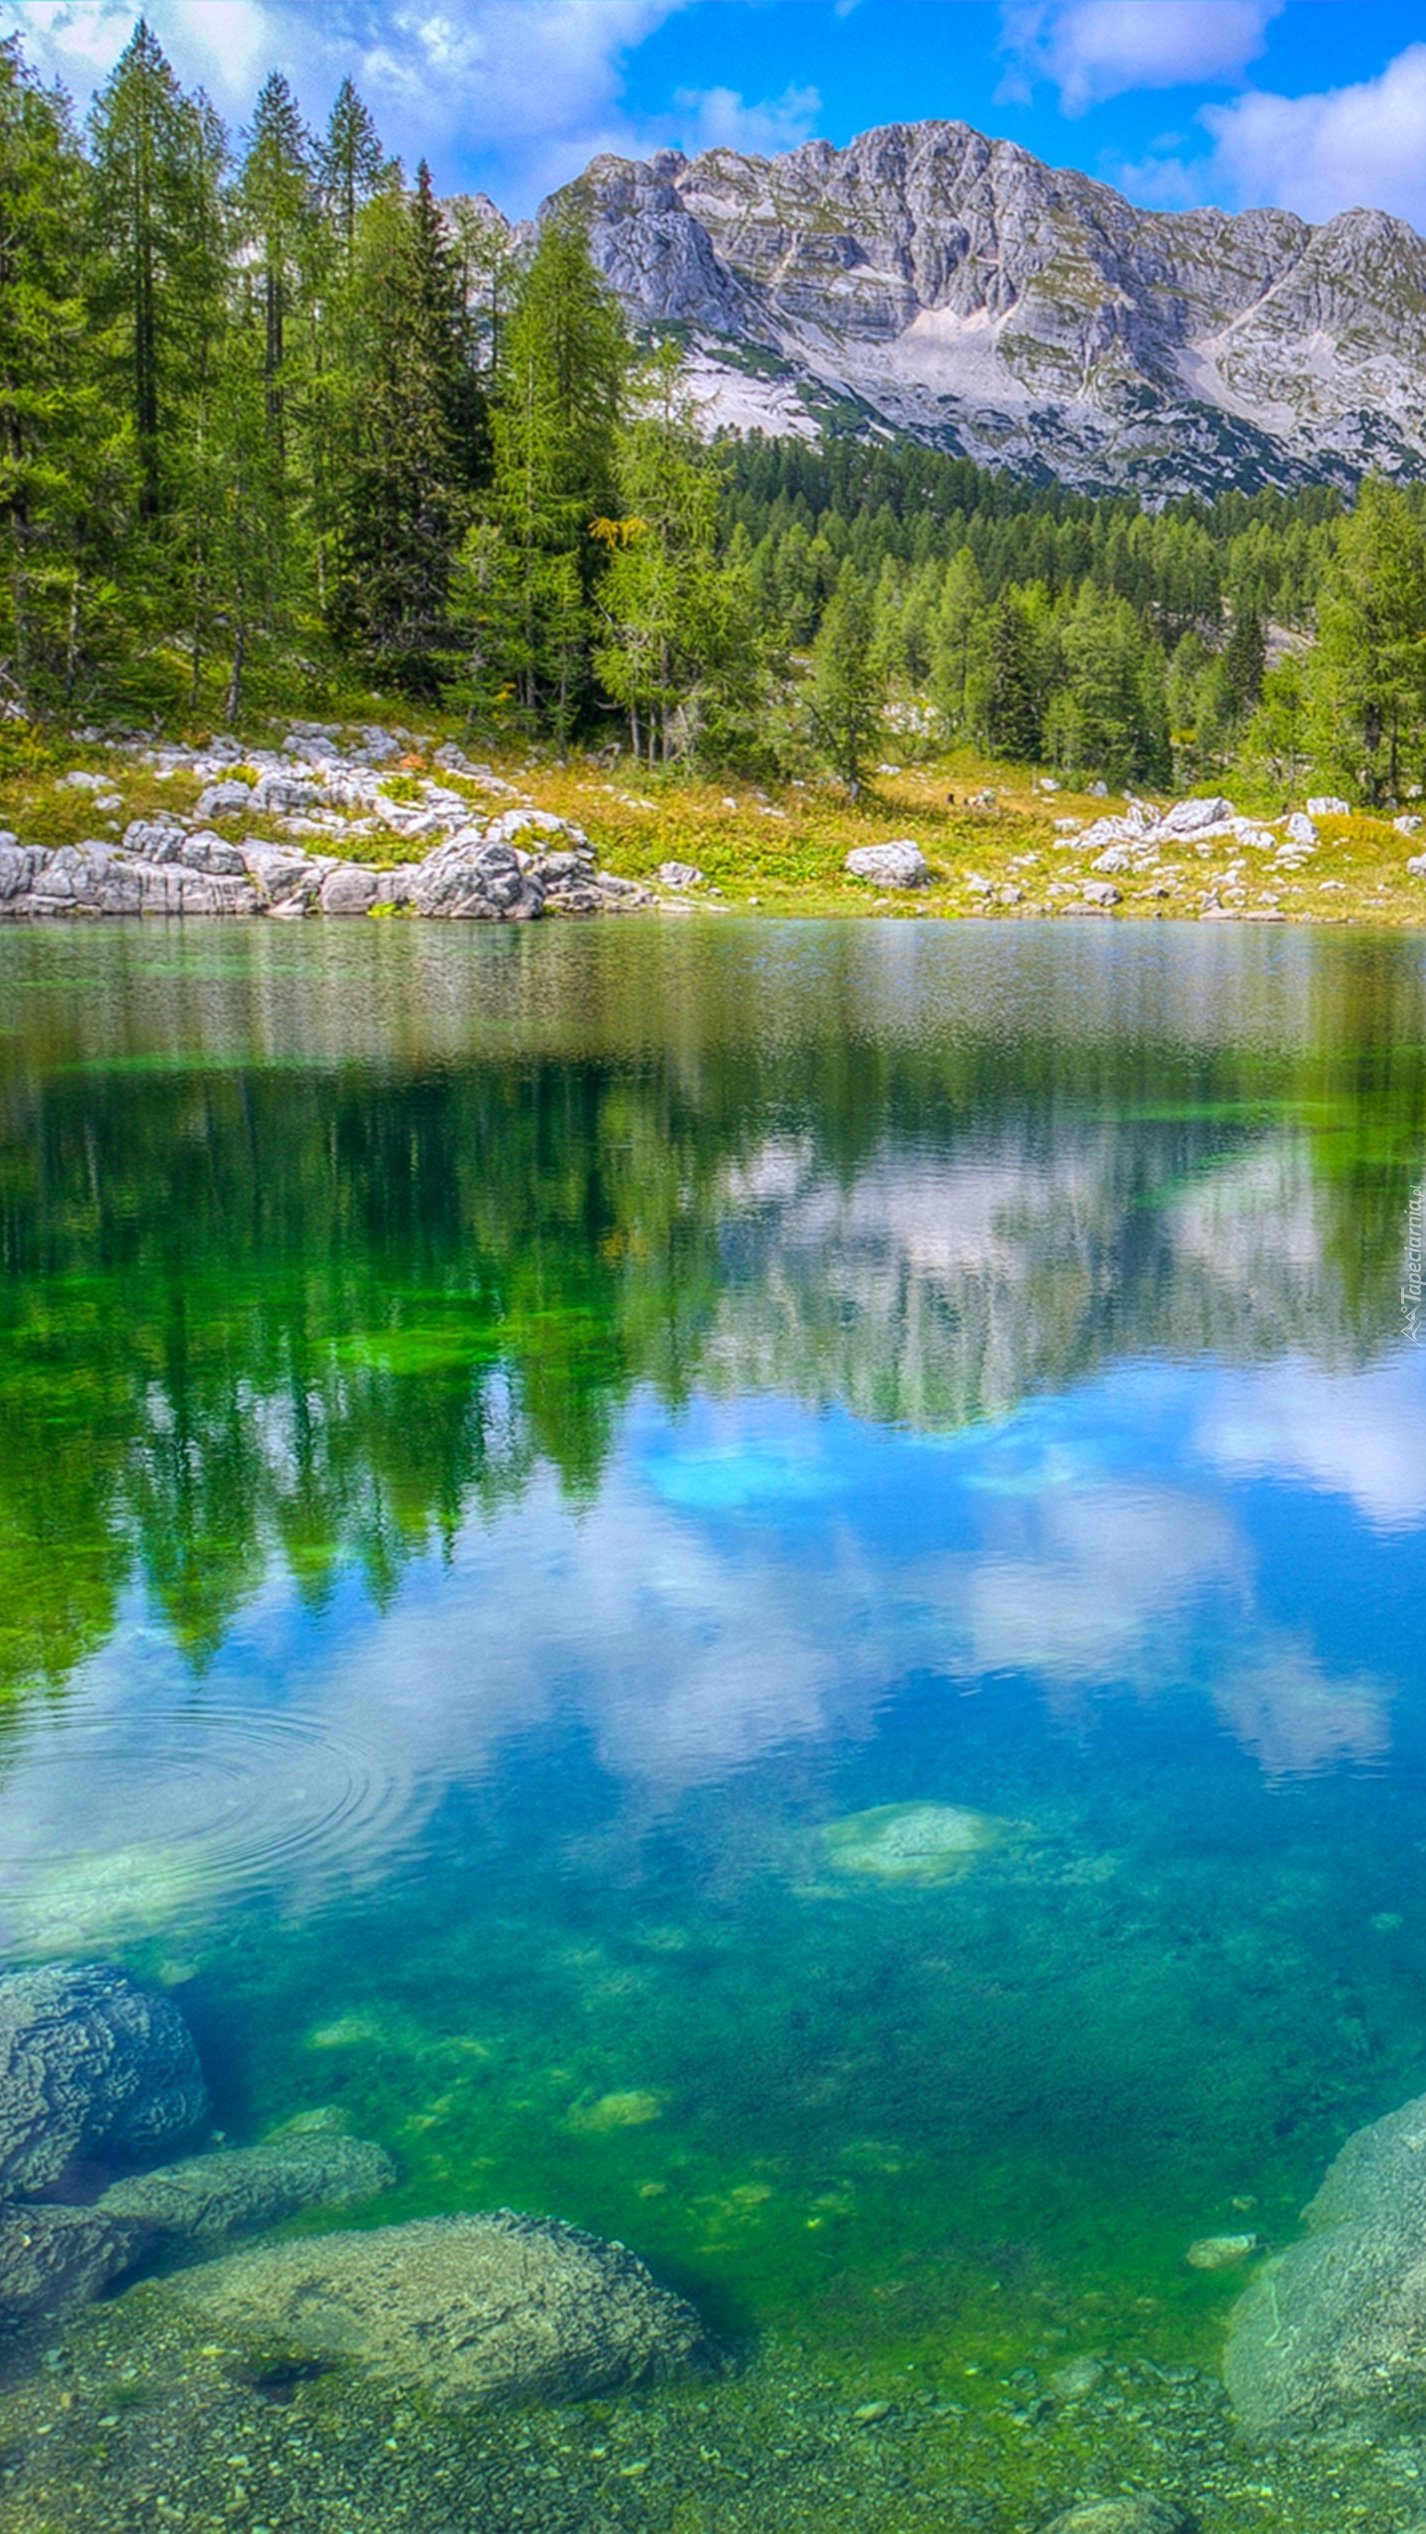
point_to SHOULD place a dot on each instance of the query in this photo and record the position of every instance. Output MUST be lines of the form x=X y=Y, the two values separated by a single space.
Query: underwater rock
x=239 y=2188
x=1221 y=2252
x=628 y=2109
x=1076 y=2380
x=480 y=2308
x=1335 y=2329
x=1123 y=2516
x=911 y=1843
x=90 y=2065
x=54 y=2258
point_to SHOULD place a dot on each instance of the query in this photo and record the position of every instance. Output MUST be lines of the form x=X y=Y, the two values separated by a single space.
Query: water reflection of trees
x=330 y=1309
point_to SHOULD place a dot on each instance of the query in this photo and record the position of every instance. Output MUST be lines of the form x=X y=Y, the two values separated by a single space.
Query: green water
x=510 y=1445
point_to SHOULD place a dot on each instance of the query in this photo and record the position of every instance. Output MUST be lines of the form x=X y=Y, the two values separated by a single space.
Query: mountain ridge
x=928 y=281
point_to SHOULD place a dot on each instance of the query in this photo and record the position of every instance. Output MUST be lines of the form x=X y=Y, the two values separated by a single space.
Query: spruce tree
x=1369 y=672
x=845 y=692
x=958 y=644
x=276 y=196
x=353 y=168
x=1011 y=711
x=416 y=443
x=61 y=459
x=679 y=648
x=161 y=278
x=563 y=365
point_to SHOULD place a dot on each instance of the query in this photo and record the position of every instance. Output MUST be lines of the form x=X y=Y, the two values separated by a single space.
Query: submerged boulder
x=54 y=2258
x=480 y=2308
x=1335 y=2330
x=1123 y=2516
x=91 y=2067
x=911 y=1843
x=237 y=2189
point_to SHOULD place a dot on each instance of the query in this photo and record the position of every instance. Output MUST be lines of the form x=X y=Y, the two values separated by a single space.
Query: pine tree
x=1109 y=713
x=61 y=461
x=845 y=693
x=559 y=394
x=416 y=442
x=1244 y=660
x=959 y=646
x=161 y=279
x=679 y=645
x=353 y=169
x=1369 y=672
x=276 y=195
x=1011 y=710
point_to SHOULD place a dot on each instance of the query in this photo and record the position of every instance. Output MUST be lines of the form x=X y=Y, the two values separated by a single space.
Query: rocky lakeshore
x=98 y=2074
x=507 y=867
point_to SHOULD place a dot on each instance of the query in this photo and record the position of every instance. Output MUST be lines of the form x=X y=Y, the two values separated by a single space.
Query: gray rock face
x=348 y=890
x=1335 y=2330
x=901 y=865
x=54 y=2258
x=91 y=2066
x=479 y=2308
x=478 y=883
x=960 y=289
x=230 y=799
x=238 y=2189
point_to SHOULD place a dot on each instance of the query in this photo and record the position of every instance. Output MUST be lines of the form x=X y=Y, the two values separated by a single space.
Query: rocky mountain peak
x=930 y=280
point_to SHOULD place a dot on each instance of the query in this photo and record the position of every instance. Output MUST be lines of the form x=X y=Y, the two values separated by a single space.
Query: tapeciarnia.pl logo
x=1411 y=1273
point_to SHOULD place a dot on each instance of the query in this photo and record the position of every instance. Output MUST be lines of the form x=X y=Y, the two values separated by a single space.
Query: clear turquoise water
x=507 y=1440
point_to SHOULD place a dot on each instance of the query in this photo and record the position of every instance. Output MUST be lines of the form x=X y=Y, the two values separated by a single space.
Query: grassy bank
x=997 y=841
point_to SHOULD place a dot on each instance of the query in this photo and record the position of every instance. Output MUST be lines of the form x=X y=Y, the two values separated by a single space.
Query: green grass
x=780 y=848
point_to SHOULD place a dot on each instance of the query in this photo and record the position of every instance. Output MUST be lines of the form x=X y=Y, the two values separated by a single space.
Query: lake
x=759 y=1586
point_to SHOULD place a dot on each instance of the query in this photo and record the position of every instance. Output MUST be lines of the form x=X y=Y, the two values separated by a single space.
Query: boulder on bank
x=479 y=2308
x=238 y=2189
x=898 y=865
x=92 y=2067
x=477 y=882
x=1335 y=2330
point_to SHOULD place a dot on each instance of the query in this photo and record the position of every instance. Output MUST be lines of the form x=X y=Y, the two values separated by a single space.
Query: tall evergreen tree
x=276 y=196
x=1369 y=673
x=958 y=645
x=353 y=168
x=845 y=692
x=679 y=646
x=161 y=278
x=1012 y=702
x=559 y=395
x=61 y=460
x=416 y=443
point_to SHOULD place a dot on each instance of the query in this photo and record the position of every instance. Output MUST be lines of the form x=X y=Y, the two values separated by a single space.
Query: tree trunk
x=233 y=702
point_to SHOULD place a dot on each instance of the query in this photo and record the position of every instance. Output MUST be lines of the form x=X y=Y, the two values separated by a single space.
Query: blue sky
x=1315 y=104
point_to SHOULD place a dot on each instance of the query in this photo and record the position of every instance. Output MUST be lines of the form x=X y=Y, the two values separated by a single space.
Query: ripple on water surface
x=116 y=1822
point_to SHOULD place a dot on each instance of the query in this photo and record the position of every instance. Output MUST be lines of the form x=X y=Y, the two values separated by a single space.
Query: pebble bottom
x=124 y=2426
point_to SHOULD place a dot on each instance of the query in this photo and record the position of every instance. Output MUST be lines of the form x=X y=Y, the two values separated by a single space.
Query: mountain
x=929 y=281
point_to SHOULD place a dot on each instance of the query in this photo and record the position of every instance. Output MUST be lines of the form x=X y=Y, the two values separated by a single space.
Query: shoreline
x=348 y=820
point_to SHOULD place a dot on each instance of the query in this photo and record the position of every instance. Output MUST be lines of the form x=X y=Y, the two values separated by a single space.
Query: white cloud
x=721 y=119
x=1335 y=151
x=1092 y=49
x=534 y=84
x=1357 y=1435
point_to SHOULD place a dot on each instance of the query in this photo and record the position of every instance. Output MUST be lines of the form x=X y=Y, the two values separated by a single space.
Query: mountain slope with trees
x=278 y=427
